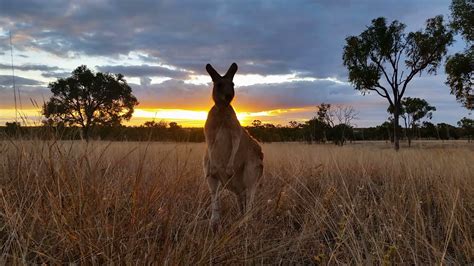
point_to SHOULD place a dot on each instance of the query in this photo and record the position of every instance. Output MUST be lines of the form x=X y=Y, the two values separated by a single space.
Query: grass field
x=133 y=203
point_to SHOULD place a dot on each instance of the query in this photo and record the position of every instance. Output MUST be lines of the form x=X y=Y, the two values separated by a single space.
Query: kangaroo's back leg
x=213 y=183
x=252 y=173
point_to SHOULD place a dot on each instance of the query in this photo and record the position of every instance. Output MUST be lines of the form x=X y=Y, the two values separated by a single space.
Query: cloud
x=7 y=80
x=269 y=37
x=173 y=93
x=145 y=81
x=293 y=94
x=55 y=74
x=143 y=71
x=26 y=97
x=46 y=71
x=31 y=67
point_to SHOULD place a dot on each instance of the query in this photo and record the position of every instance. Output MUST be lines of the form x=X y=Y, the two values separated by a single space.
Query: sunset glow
x=197 y=118
x=185 y=118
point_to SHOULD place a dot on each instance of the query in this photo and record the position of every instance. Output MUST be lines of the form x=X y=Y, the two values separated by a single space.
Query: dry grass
x=141 y=202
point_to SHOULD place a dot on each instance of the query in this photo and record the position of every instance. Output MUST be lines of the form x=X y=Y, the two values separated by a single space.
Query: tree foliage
x=462 y=12
x=88 y=99
x=468 y=125
x=413 y=110
x=460 y=66
x=384 y=59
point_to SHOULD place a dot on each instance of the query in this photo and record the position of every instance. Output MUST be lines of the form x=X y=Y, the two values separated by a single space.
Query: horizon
x=289 y=56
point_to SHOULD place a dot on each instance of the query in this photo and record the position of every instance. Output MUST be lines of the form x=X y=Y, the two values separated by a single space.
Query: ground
x=130 y=202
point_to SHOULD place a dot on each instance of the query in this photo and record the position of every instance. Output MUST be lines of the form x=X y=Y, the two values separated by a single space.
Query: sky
x=289 y=55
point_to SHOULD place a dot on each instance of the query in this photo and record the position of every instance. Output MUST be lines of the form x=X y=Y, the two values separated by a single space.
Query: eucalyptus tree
x=460 y=66
x=384 y=59
x=88 y=99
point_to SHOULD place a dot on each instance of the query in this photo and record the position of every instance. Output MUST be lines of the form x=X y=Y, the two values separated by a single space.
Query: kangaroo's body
x=233 y=159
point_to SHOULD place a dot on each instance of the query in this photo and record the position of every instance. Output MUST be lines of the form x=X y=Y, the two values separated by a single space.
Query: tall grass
x=142 y=202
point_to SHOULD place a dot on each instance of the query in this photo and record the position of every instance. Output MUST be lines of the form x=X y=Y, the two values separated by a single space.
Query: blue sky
x=289 y=54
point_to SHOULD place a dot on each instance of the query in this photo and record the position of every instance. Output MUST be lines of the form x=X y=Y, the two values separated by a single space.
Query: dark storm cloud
x=144 y=71
x=265 y=37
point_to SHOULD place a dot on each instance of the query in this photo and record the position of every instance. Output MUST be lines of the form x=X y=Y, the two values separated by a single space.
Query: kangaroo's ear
x=212 y=72
x=231 y=72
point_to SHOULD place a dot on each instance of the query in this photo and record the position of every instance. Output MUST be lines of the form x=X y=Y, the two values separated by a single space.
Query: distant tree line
x=311 y=131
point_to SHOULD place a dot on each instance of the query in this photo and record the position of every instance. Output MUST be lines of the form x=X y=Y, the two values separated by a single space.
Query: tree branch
x=386 y=95
x=379 y=65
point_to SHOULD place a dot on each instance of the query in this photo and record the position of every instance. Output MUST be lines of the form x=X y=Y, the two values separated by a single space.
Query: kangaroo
x=233 y=159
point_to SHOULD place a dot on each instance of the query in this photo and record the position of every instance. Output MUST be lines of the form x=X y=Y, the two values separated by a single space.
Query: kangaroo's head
x=223 y=90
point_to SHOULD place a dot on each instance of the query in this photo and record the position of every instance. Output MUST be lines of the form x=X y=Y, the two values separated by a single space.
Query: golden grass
x=148 y=202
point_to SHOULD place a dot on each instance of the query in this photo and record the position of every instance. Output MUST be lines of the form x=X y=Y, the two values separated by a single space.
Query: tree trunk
x=396 y=132
x=342 y=138
x=410 y=135
x=85 y=133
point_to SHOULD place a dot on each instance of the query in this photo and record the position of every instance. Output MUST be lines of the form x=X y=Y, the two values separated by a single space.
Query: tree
x=460 y=66
x=344 y=115
x=446 y=131
x=468 y=126
x=324 y=119
x=429 y=130
x=294 y=124
x=314 y=130
x=384 y=130
x=153 y=124
x=383 y=59
x=257 y=123
x=412 y=111
x=88 y=99
x=323 y=113
x=13 y=128
x=174 y=126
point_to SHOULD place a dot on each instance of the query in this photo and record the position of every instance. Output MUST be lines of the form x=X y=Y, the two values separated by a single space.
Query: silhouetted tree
x=343 y=116
x=468 y=126
x=429 y=130
x=338 y=133
x=384 y=59
x=153 y=124
x=314 y=130
x=460 y=66
x=256 y=123
x=412 y=111
x=324 y=118
x=323 y=113
x=13 y=129
x=446 y=131
x=87 y=99
x=294 y=124
x=386 y=130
